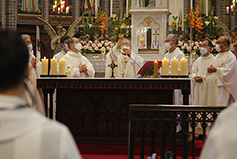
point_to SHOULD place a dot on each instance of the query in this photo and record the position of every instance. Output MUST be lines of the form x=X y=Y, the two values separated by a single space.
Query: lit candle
x=174 y=67
x=44 y=70
x=55 y=3
x=228 y=9
x=54 y=8
x=53 y=67
x=155 y=69
x=165 y=66
x=184 y=66
x=62 y=67
x=231 y=7
x=67 y=10
x=58 y=10
x=206 y=7
x=111 y=8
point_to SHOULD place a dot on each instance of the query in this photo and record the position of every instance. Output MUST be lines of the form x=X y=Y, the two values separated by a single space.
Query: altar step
x=122 y=150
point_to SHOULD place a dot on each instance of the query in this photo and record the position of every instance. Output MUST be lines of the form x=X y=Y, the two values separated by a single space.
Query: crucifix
x=112 y=65
x=156 y=34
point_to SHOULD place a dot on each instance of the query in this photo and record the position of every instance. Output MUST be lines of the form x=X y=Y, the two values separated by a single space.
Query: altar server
x=77 y=64
x=221 y=82
x=32 y=96
x=199 y=71
x=129 y=63
x=63 y=43
x=24 y=133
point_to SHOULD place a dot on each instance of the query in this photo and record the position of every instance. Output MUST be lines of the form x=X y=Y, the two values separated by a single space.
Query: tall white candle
x=191 y=4
x=126 y=8
x=44 y=70
x=96 y=6
x=206 y=7
x=111 y=8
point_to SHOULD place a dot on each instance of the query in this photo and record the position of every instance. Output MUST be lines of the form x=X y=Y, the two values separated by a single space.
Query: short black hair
x=65 y=37
x=227 y=41
x=70 y=41
x=209 y=42
x=14 y=59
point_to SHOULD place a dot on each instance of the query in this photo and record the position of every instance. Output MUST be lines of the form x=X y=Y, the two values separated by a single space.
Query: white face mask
x=30 y=47
x=167 y=45
x=203 y=50
x=78 y=46
x=218 y=48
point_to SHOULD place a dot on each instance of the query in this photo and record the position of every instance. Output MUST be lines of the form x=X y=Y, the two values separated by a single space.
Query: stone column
x=106 y=6
x=45 y=10
x=121 y=9
x=10 y=9
x=222 y=14
x=186 y=7
x=3 y=14
x=76 y=9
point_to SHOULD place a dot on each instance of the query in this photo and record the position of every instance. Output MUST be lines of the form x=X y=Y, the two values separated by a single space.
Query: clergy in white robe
x=199 y=71
x=128 y=63
x=174 y=52
x=221 y=85
x=31 y=94
x=77 y=64
x=25 y=133
x=221 y=142
x=63 y=42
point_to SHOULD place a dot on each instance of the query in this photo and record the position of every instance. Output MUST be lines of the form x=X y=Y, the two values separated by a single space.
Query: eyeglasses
x=29 y=42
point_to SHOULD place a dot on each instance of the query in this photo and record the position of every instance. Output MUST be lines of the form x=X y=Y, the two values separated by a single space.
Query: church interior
x=141 y=105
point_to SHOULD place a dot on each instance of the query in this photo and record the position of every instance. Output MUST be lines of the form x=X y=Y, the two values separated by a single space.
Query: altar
x=96 y=109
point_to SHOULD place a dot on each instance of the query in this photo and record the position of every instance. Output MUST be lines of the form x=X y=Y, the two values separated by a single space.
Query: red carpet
x=120 y=151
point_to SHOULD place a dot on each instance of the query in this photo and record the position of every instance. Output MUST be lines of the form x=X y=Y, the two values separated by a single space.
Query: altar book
x=148 y=68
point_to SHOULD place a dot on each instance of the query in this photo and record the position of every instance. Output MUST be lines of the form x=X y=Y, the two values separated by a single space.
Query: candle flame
x=155 y=61
x=174 y=57
x=164 y=57
x=44 y=57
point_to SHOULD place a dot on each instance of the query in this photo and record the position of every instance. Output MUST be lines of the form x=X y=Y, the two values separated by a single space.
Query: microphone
x=129 y=56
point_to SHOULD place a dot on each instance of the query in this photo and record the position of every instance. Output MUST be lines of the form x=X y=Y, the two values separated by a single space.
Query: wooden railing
x=156 y=125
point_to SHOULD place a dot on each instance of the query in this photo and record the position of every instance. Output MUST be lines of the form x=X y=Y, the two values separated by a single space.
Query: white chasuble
x=74 y=60
x=128 y=67
x=221 y=86
x=199 y=68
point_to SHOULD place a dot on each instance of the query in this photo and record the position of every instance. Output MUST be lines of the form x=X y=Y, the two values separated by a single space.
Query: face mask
x=167 y=45
x=30 y=47
x=66 y=47
x=78 y=46
x=218 y=48
x=203 y=50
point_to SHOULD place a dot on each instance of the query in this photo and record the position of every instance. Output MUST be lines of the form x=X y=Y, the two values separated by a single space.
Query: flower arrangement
x=195 y=46
x=101 y=21
x=99 y=45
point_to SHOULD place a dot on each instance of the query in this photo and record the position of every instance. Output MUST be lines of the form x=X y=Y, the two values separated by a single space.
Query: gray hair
x=127 y=40
x=25 y=36
x=174 y=37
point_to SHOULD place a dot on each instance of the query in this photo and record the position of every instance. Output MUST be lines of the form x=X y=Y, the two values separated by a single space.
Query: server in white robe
x=221 y=142
x=221 y=85
x=174 y=52
x=77 y=64
x=63 y=42
x=31 y=94
x=199 y=71
x=128 y=63
x=24 y=132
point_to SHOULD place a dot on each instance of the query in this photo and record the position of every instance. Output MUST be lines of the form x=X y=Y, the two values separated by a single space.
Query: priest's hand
x=211 y=69
x=119 y=44
x=83 y=68
x=198 y=79
x=33 y=62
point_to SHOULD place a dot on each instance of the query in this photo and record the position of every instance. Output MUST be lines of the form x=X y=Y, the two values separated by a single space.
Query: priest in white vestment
x=221 y=142
x=77 y=64
x=63 y=42
x=32 y=95
x=199 y=71
x=25 y=133
x=129 y=63
x=221 y=85
x=174 y=52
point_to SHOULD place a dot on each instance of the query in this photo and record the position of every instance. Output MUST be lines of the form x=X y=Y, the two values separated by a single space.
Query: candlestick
x=228 y=9
x=126 y=8
x=44 y=70
x=62 y=67
x=231 y=8
x=165 y=66
x=174 y=67
x=53 y=67
x=55 y=3
x=96 y=7
x=184 y=66
x=54 y=8
x=155 y=69
x=206 y=7
x=111 y=8
x=58 y=10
